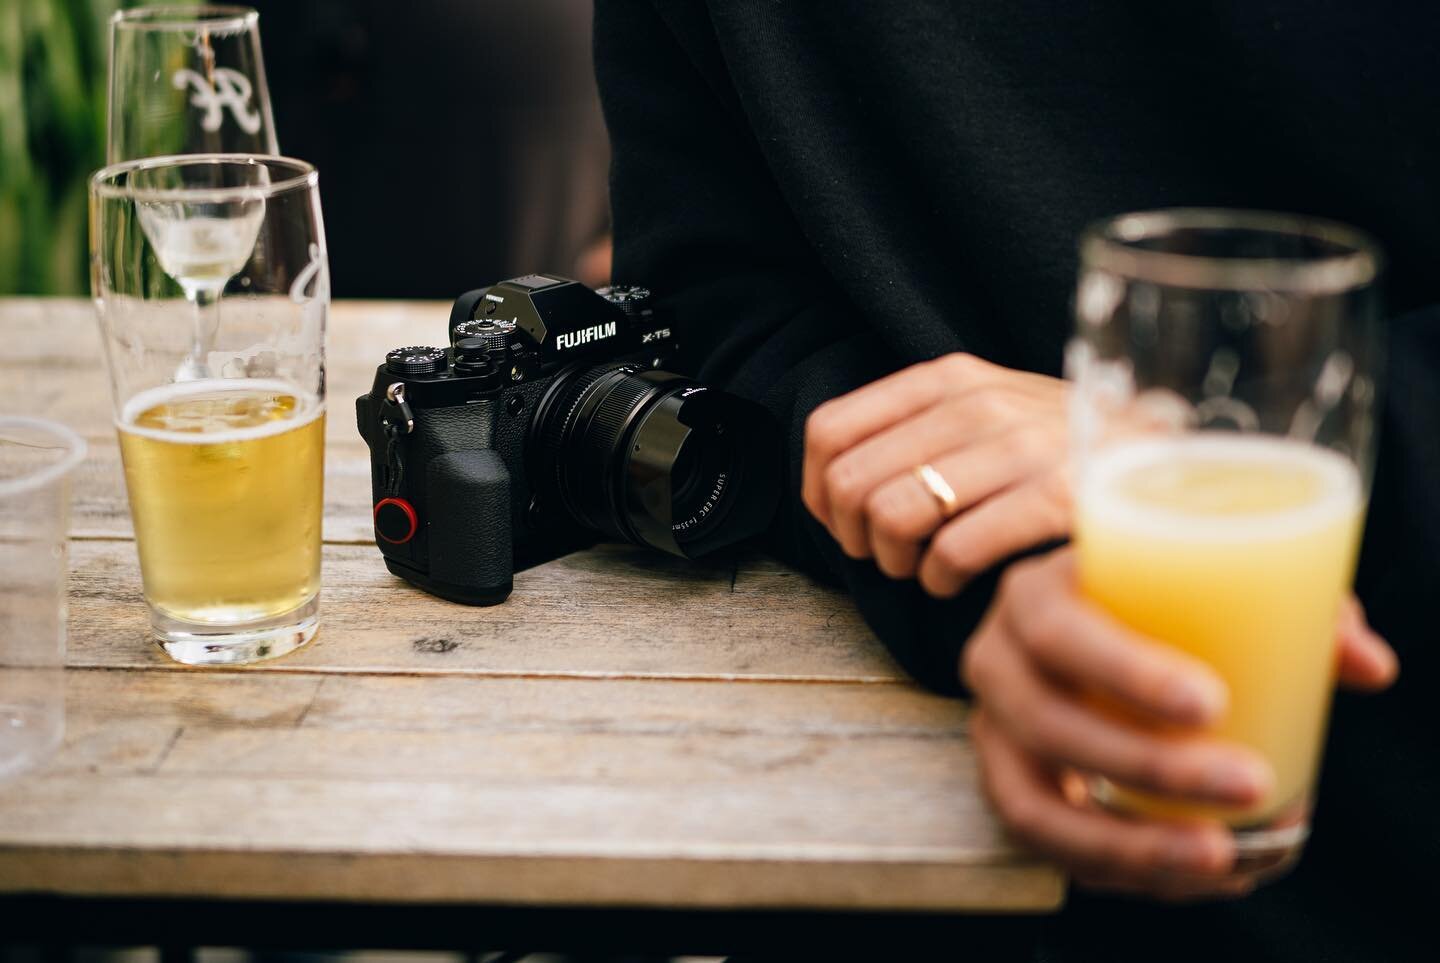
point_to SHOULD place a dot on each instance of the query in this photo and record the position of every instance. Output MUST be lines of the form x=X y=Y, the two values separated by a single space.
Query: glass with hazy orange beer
x=1223 y=414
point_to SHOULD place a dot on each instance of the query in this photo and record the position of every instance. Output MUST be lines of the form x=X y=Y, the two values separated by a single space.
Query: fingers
x=980 y=457
x=1029 y=514
x=1053 y=726
x=901 y=514
x=984 y=428
x=1170 y=888
x=1071 y=640
x=839 y=425
x=1032 y=664
x=1101 y=845
x=1367 y=662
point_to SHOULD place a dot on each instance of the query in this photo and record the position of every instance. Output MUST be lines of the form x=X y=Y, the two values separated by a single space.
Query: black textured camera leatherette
x=469 y=496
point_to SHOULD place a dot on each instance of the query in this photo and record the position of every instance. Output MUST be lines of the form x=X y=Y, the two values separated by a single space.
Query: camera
x=549 y=423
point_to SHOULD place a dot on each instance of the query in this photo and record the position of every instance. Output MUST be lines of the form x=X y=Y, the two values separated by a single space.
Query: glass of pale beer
x=1225 y=369
x=210 y=279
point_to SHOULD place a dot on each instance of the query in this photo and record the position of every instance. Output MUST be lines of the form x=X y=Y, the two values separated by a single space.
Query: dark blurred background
x=458 y=142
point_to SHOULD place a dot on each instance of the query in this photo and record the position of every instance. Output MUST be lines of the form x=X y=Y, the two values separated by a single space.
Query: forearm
x=698 y=218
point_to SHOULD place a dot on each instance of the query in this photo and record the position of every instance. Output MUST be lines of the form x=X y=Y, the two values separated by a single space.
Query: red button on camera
x=395 y=520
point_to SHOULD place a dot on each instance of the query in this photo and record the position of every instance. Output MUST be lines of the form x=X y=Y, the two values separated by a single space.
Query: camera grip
x=470 y=552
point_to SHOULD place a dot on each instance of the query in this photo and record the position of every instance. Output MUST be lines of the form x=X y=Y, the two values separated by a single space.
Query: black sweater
x=827 y=192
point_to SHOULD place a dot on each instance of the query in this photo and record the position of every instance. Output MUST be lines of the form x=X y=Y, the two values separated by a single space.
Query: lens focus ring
x=560 y=421
x=615 y=411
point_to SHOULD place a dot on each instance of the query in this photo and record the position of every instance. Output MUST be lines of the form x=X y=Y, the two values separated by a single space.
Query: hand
x=998 y=438
x=1038 y=646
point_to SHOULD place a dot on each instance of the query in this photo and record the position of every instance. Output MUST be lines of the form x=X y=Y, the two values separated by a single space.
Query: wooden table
x=628 y=731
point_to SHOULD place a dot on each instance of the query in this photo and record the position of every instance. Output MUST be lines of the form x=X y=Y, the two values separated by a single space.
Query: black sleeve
x=1397 y=575
x=698 y=218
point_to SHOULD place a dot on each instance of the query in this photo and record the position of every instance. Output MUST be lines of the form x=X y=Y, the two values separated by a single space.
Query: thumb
x=1367 y=662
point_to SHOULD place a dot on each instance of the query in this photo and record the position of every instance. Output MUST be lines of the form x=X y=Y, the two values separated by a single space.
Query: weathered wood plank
x=639 y=706
x=516 y=731
x=546 y=791
x=783 y=879
x=815 y=764
x=438 y=816
x=121 y=721
x=609 y=611
x=249 y=700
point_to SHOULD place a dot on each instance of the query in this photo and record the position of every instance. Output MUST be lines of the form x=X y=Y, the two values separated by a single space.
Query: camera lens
x=654 y=458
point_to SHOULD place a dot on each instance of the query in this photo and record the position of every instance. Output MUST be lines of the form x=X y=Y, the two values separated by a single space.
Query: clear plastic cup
x=36 y=459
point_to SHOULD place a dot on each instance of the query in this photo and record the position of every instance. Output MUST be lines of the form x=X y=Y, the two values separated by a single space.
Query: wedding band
x=936 y=485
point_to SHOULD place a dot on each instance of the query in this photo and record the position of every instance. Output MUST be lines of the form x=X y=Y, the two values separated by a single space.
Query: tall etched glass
x=187 y=80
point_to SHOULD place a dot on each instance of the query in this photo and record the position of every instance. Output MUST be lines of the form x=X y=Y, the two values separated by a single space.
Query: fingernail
x=1237 y=781
x=1387 y=664
x=1195 y=854
x=1196 y=700
x=1192 y=854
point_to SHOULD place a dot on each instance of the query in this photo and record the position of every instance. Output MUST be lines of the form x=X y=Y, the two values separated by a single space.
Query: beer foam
x=1333 y=483
x=308 y=408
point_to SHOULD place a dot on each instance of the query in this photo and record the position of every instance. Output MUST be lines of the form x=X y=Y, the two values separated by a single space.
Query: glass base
x=1270 y=849
x=200 y=643
x=1263 y=849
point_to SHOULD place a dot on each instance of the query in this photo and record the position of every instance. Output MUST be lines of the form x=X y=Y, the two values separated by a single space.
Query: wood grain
x=536 y=790
x=611 y=611
x=629 y=729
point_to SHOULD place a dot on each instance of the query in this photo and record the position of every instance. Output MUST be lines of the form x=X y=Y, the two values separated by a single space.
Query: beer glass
x=1224 y=367
x=187 y=80
x=36 y=458
x=210 y=279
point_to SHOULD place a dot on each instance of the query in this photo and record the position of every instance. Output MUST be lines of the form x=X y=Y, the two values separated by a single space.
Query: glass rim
x=303 y=175
x=176 y=17
x=74 y=454
x=1110 y=245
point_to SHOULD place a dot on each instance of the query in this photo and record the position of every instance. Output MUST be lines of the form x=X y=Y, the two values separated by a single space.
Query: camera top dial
x=496 y=334
x=415 y=360
x=630 y=298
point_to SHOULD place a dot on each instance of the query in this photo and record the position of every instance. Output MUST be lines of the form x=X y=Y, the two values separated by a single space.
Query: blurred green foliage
x=52 y=136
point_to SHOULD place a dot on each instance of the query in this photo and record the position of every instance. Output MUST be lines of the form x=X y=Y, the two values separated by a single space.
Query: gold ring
x=936 y=485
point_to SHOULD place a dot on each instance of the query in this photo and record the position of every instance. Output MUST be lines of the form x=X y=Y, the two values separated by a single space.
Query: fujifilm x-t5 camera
x=547 y=425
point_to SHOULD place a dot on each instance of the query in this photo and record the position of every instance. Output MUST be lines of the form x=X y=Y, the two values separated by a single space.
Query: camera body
x=549 y=423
